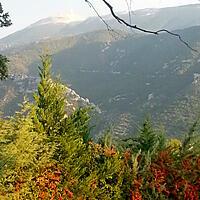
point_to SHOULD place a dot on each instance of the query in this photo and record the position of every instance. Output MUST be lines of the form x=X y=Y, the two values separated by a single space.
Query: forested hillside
x=127 y=76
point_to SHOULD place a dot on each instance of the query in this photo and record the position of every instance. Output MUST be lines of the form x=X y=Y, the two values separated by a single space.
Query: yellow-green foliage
x=174 y=144
x=23 y=152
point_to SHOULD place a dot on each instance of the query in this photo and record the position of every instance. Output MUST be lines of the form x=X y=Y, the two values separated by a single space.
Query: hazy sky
x=26 y=12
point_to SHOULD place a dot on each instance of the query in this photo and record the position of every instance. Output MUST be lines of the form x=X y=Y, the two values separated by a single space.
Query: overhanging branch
x=122 y=21
x=109 y=28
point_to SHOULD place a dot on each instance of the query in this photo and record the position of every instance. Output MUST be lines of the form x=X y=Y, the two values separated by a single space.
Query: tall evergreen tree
x=4 y=22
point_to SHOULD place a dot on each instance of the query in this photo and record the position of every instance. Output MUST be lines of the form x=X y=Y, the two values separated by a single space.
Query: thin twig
x=178 y=36
x=129 y=11
x=109 y=28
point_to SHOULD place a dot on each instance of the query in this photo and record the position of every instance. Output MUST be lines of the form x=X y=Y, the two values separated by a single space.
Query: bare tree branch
x=179 y=37
x=122 y=21
x=101 y=18
x=109 y=28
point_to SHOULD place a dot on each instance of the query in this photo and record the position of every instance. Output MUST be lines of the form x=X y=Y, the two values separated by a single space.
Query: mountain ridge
x=171 y=18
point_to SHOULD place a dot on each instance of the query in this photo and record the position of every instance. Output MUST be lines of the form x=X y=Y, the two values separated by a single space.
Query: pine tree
x=50 y=100
x=149 y=139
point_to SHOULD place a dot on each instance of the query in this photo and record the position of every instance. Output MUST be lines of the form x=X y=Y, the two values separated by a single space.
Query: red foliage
x=191 y=192
x=136 y=195
x=137 y=183
x=49 y=181
x=109 y=151
x=127 y=155
x=18 y=184
x=68 y=193
x=178 y=179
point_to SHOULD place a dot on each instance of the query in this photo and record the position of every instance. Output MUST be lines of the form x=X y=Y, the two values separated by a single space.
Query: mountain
x=13 y=91
x=127 y=76
x=43 y=29
x=170 y=18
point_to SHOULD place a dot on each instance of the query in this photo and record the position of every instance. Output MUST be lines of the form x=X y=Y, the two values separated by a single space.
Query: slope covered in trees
x=47 y=153
x=126 y=77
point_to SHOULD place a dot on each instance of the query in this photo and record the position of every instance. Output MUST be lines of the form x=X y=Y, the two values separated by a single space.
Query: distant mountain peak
x=57 y=20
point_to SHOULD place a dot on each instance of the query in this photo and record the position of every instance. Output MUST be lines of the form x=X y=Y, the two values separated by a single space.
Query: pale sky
x=26 y=12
